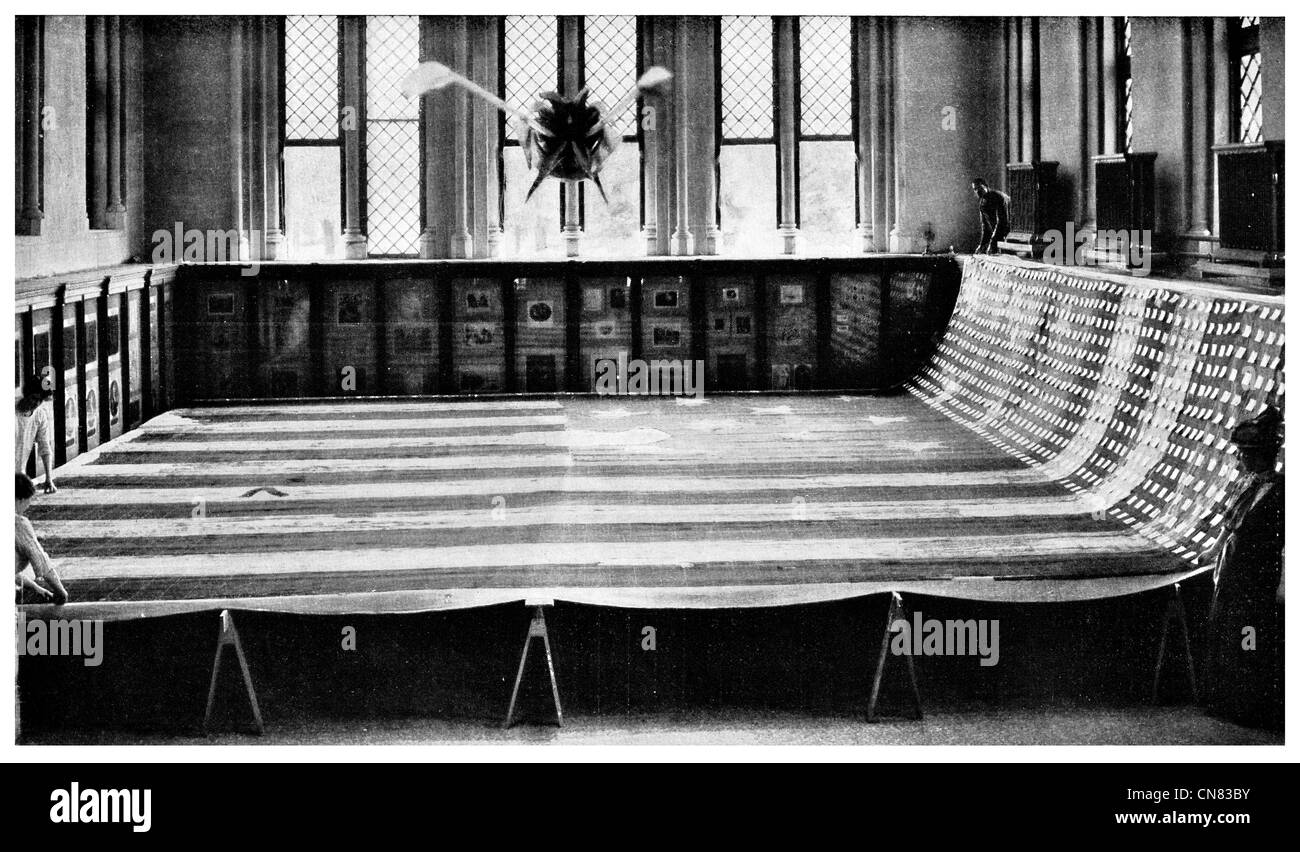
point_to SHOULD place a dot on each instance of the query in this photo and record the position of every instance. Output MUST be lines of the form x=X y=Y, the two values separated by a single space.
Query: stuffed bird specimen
x=564 y=138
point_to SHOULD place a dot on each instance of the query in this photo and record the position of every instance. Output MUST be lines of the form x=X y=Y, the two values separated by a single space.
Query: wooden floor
x=727 y=501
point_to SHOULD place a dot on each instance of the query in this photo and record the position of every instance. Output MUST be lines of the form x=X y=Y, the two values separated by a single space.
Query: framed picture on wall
x=478 y=300
x=478 y=335
x=667 y=335
x=541 y=314
x=665 y=299
x=221 y=304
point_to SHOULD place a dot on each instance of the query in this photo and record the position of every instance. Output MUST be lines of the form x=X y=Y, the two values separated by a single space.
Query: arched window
x=392 y=139
x=530 y=65
x=827 y=153
x=542 y=53
x=610 y=48
x=747 y=197
x=313 y=145
x=1244 y=49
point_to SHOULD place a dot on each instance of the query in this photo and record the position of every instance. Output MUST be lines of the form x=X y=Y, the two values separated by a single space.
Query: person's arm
x=45 y=448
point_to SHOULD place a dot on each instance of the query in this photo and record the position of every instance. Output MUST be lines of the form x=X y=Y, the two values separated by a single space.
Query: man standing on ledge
x=994 y=225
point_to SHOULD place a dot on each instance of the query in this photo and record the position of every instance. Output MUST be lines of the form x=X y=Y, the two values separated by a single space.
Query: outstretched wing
x=653 y=80
x=429 y=76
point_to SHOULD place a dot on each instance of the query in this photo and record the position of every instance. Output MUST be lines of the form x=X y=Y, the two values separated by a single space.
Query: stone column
x=651 y=130
x=353 y=130
x=485 y=186
x=889 y=72
x=787 y=138
x=700 y=49
x=255 y=137
x=462 y=243
x=271 y=123
x=235 y=135
x=1200 y=128
x=115 y=211
x=1112 y=104
x=446 y=143
x=683 y=239
x=864 y=104
x=97 y=122
x=666 y=123
x=1031 y=144
x=32 y=67
x=876 y=116
x=1015 y=90
x=1221 y=125
x=571 y=82
x=1090 y=104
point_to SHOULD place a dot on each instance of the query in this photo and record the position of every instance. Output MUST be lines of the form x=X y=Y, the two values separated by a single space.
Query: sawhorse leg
x=1176 y=613
x=896 y=612
x=536 y=630
x=229 y=637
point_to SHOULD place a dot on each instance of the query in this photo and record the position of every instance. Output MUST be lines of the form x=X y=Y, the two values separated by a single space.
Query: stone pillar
x=484 y=180
x=31 y=65
x=1015 y=89
x=666 y=123
x=571 y=83
x=893 y=202
x=651 y=130
x=354 y=96
x=1221 y=124
x=235 y=135
x=462 y=243
x=1272 y=62
x=115 y=212
x=862 y=138
x=1200 y=128
x=683 y=240
x=1090 y=105
x=876 y=118
x=1031 y=144
x=699 y=50
x=255 y=138
x=1112 y=93
x=787 y=138
x=446 y=144
x=97 y=122
x=271 y=123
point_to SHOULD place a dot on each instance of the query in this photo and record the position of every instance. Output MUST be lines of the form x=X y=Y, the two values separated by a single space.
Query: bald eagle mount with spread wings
x=564 y=138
